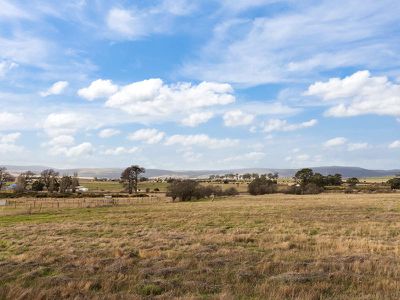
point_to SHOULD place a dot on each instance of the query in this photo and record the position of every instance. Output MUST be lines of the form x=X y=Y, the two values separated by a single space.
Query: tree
x=5 y=177
x=262 y=185
x=65 y=183
x=75 y=182
x=183 y=190
x=23 y=180
x=304 y=176
x=49 y=178
x=352 y=181
x=130 y=177
x=246 y=176
x=394 y=183
x=37 y=186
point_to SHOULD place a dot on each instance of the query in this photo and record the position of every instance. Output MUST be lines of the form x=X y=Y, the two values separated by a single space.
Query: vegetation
x=187 y=190
x=130 y=178
x=266 y=184
x=394 y=183
x=330 y=246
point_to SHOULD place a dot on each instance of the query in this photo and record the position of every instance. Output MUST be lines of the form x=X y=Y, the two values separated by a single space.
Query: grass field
x=329 y=246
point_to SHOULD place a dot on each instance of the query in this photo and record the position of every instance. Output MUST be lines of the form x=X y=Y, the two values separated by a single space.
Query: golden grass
x=329 y=246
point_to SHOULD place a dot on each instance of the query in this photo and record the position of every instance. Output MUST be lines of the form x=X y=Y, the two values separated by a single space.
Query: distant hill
x=115 y=172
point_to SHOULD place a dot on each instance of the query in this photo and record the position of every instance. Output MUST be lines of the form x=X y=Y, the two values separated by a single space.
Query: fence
x=38 y=205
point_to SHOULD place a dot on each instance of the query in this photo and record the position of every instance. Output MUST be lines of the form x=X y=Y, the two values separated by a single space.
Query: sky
x=210 y=84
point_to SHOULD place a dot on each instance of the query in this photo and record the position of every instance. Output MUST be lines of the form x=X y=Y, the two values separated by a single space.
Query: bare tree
x=75 y=182
x=5 y=177
x=49 y=178
x=130 y=177
x=65 y=183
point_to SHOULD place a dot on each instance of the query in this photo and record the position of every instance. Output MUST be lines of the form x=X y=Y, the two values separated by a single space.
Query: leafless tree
x=130 y=177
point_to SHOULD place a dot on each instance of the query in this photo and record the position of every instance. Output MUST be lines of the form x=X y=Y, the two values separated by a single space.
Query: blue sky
x=209 y=84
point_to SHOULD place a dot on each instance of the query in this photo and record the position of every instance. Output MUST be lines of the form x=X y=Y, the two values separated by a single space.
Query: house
x=82 y=189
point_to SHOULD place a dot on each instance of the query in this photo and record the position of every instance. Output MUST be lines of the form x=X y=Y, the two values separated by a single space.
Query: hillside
x=115 y=172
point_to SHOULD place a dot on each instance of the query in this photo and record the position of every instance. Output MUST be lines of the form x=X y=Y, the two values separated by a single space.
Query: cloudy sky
x=182 y=84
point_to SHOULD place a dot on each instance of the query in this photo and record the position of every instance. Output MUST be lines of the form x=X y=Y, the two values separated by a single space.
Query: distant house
x=82 y=189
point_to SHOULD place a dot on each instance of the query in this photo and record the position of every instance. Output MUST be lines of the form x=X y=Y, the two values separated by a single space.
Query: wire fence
x=38 y=205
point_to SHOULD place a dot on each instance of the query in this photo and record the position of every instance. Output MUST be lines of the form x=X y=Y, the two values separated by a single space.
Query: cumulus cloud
x=108 y=132
x=335 y=142
x=148 y=135
x=202 y=140
x=10 y=138
x=99 y=88
x=61 y=141
x=359 y=94
x=154 y=99
x=67 y=123
x=121 y=151
x=81 y=150
x=283 y=125
x=197 y=118
x=10 y=120
x=395 y=145
x=8 y=143
x=237 y=118
x=56 y=89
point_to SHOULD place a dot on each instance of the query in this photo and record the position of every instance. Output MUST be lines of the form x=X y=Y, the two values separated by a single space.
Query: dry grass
x=329 y=246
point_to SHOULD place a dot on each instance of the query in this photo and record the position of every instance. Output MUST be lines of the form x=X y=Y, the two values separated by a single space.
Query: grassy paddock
x=329 y=246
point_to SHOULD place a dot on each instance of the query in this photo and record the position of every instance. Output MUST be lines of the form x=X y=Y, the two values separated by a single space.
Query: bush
x=262 y=186
x=183 y=190
x=312 y=189
x=186 y=190
x=394 y=183
x=309 y=189
x=231 y=192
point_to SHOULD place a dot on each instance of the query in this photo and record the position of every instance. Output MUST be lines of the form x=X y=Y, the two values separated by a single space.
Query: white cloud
x=197 y=118
x=99 y=88
x=202 y=140
x=56 y=89
x=357 y=146
x=237 y=118
x=395 y=145
x=83 y=149
x=299 y=42
x=10 y=120
x=6 y=66
x=283 y=125
x=135 y=23
x=67 y=123
x=251 y=156
x=61 y=141
x=108 y=132
x=153 y=99
x=7 y=143
x=335 y=142
x=148 y=135
x=10 y=138
x=359 y=94
x=121 y=151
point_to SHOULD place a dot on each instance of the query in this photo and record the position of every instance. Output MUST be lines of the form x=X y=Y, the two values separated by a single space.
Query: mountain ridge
x=112 y=173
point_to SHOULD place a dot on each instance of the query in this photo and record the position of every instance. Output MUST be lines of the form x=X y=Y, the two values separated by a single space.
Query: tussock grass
x=329 y=246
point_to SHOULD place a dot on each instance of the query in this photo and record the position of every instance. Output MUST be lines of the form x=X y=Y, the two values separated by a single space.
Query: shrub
x=183 y=190
x=38 y=186
x=261 y=186
x=231 y=192
x=394 y=183
x=312 y=189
